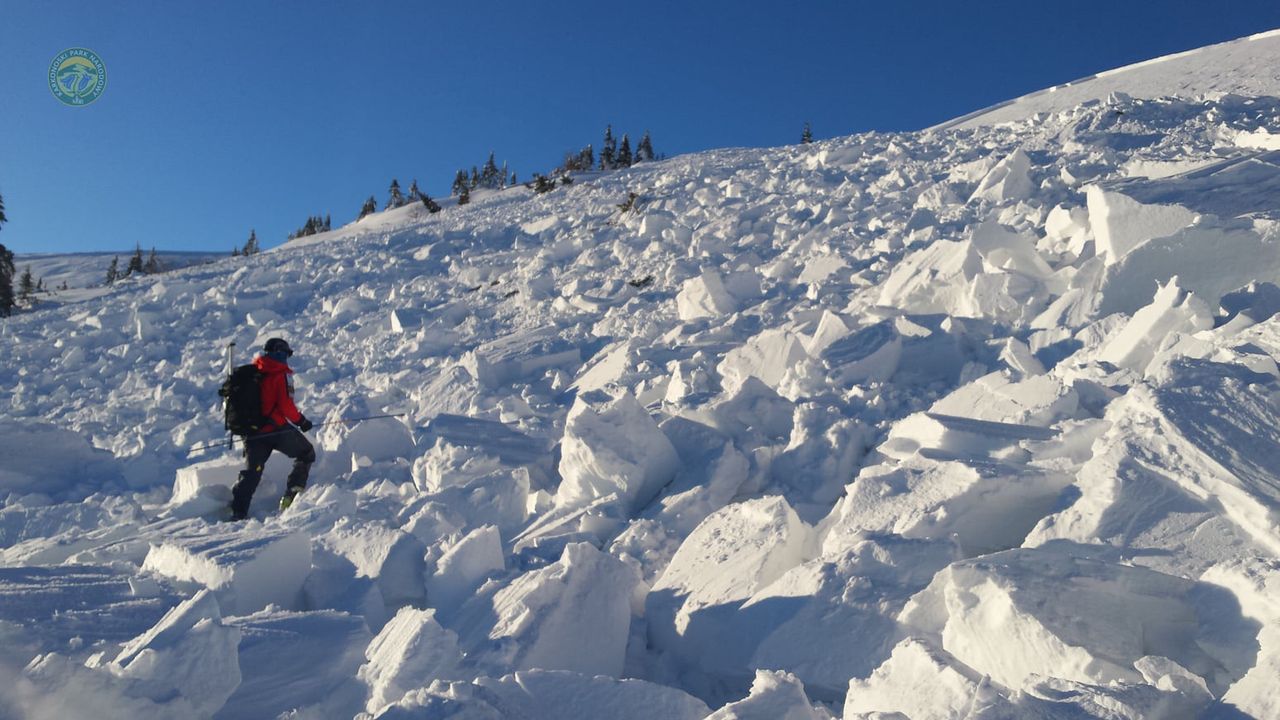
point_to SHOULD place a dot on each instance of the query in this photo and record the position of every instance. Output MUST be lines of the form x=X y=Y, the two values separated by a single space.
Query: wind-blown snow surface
x=960 y=423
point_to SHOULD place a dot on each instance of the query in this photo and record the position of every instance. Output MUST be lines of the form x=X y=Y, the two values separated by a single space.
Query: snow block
x=291 y=660
x=1003 y=249
x=981 y=506
x=389 y=556
x=933 y=279
x=1009 y=180
x=411 y=651
x=1256 y=585
x=1121 y=223
x=918 y=681
x=248 y=570
x=612 y=446
x=520 y=354
x=1040 y=400
x=775 y=695
x=870 y=354
x=548 y=695
x=463 y=566
x=712 y=295
x=193 y=479
x=1172 y=310
x=767 y=357
x=574 y=614
x=735 y=552
x=948 y=436
x=1029 y=612
x=190 y=654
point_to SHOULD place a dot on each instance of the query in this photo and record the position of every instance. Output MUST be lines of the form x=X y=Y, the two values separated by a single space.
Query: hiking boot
x=287 y=499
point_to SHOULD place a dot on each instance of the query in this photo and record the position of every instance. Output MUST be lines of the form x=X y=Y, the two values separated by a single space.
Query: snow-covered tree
x=608 y=150
x=474 y=181
x=459 y=183
x=327 y=224
x=431 y=205
x=489 y=177
x=464 y=197
x=396 y=199
x=415 y=195
x=806 y=137
x=370 y=206
x=250 y=245
x=113 y=270
x=135 y=262
x=6 y=282
x=644 y=151
x=3 y=219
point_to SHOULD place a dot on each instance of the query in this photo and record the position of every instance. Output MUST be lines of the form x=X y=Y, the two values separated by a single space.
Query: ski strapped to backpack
x=242 y=406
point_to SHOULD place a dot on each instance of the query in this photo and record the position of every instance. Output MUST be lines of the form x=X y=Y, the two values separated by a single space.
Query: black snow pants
x=257 y=449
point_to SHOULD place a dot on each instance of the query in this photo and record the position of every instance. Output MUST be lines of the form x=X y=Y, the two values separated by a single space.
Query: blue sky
x=219 y=117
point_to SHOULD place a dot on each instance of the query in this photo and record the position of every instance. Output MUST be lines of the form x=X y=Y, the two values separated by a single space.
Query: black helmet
x=278 y=345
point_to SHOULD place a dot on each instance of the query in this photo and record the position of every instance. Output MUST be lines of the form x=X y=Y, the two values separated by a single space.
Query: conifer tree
x=135 y=262
x=3 y=219
x=396 y=199
x=609 y=149
x=431 y=205
x=644 y=151
x=27 y=287
x=250 y=245
x=489 y=174
x=327 y=225
x=235 y=251
x=153 y=263
x=624 y=152
x=6 y=281
x=459 y=183
x=806 y=137
x=113 y=270
x=502 y=182
x=587 y=158
x=514 y=181
x=474 y=182
x=464 y=197
x=370 y=206
x=415 y=195
x=40 y=285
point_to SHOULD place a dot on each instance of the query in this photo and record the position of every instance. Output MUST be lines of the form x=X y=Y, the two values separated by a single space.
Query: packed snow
x=973 y=422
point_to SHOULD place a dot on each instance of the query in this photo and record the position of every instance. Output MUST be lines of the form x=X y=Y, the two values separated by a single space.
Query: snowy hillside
x=975 y=422
x=1245 y=67
x=84 y=273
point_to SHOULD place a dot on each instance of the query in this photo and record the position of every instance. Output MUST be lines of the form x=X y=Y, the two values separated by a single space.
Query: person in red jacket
x=281 y=415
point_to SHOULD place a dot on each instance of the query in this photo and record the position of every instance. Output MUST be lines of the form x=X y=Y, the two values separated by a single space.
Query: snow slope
x=1249 y=65
x=975 y=422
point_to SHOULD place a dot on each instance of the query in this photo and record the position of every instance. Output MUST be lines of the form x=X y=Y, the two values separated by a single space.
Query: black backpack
x=242 y=394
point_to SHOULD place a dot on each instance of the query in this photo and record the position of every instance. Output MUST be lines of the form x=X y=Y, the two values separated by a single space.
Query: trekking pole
x=231 y=346
x=220 y=443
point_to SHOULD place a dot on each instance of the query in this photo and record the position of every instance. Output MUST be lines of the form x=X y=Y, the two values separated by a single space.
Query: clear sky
x=223 y=116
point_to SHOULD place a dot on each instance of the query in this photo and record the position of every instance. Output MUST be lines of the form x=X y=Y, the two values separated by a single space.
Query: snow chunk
x=572 y=615
x=1121 y=223
x=411 y=651
x=389 y=556
x=1019 y=612
x=190 y=653
x=463 y=566
x=918 y=681
x=767 y=356
x=775 y=695
x=1009 y=180
x=612 y=446
x=983 y=507
x=1256 y=584
x=292 y=660
x=728 y=557
x=548 y=695
x=192 y=480
x=711 y=295
x=1172 y=310
x=247 y=570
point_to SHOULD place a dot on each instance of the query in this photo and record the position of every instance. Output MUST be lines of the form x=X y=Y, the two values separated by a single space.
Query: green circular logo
x=77 y=76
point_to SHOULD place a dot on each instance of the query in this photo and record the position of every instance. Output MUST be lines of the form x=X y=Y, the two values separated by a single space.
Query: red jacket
x=277 y=391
